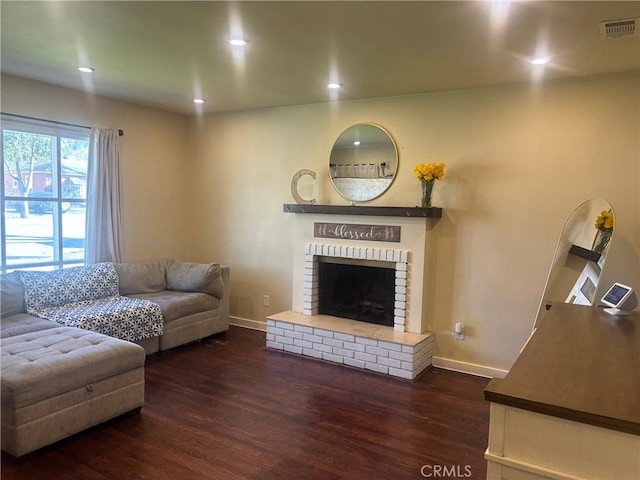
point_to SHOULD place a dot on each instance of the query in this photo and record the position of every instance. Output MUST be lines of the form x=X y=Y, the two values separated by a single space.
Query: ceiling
x=163 y=54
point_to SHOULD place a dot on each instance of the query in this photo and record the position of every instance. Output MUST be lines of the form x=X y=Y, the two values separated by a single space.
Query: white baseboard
x=247 y=323
x=471 y=368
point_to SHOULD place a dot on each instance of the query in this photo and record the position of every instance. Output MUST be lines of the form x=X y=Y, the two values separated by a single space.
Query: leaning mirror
x=363 y=162
x=580 y=256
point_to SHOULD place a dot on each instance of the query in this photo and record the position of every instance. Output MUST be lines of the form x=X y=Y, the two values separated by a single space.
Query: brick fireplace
x=403 y=350
x=399 y=258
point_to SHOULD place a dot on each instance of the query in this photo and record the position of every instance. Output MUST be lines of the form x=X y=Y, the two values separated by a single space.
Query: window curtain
x=103 y=236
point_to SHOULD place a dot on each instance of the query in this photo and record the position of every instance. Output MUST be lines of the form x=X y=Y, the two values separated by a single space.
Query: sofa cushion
x=11 y=294
x=143 y=277
x=21 y=323
x=76 y=284
x=180 y=304
x=43 y=364
x=195 y=277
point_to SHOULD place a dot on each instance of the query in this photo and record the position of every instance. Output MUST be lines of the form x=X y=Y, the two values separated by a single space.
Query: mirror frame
x=397 y=162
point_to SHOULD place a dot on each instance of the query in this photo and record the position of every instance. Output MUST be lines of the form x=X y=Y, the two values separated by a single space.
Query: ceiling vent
x=620 y=28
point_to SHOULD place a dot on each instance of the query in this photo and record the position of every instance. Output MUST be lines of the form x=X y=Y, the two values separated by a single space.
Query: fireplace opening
x=357 y=289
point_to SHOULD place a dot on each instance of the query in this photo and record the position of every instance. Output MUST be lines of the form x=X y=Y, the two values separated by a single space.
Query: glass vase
x=601 y=241
x=427 y=188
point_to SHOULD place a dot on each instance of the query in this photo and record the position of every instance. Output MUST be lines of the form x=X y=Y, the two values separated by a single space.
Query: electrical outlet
x=459 y=331
x=265 y=301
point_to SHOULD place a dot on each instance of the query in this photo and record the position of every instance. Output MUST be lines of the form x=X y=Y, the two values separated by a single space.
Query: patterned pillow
x=76 y=284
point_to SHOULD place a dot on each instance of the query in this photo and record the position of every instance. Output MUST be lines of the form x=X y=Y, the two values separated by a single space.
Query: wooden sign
x=346 y=231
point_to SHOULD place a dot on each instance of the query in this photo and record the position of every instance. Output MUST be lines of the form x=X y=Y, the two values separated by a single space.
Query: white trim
x=471 y=368
x=539 y=471
x=248 y=323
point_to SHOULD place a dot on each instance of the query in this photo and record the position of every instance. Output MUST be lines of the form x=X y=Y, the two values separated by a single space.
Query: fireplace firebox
x=357 y=289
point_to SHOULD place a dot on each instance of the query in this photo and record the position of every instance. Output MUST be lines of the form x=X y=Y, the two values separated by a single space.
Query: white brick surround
x=349 y=342
x=400 y=257
x=402 y=351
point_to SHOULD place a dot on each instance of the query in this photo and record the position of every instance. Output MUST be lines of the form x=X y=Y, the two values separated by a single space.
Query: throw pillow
x=195 y=277
x=143 y=277
x=11 y=294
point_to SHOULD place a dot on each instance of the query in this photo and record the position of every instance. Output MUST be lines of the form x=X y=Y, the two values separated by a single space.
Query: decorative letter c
x=294 y=186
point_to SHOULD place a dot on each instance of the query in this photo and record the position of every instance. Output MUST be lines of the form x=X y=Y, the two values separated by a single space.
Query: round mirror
x=363 y=162
x=580 y=256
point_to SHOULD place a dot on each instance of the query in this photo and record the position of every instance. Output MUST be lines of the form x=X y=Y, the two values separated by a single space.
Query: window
x=43 y=201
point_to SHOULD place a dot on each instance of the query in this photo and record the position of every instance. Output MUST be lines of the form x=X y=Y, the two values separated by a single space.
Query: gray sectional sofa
x=58 y=379
x=193 y=298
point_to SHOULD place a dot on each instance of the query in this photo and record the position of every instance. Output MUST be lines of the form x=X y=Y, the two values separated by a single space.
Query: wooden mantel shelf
x=429 y=212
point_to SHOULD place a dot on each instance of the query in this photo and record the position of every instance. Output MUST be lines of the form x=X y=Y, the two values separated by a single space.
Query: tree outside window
x=43 y=196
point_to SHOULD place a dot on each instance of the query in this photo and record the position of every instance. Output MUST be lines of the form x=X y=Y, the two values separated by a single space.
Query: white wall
x=519 y=160
x=154 y=155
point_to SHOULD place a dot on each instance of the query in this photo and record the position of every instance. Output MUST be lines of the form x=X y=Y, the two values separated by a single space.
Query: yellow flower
x=604 y=221
x=429 y=171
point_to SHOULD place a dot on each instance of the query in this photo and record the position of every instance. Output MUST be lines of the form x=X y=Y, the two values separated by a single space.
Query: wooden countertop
x=582 y=364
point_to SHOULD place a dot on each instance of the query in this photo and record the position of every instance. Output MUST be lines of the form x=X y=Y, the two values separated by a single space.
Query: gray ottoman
x=57 y=381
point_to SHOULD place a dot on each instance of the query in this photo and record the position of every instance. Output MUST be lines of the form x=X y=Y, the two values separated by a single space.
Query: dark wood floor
x=227 y=408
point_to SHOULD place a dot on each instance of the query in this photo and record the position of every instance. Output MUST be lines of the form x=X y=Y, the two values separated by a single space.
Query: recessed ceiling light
x=238 y=42
x=86 y=69
x=539 y=61
x=356 y=143
x=334 y=85
x=199 y=101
